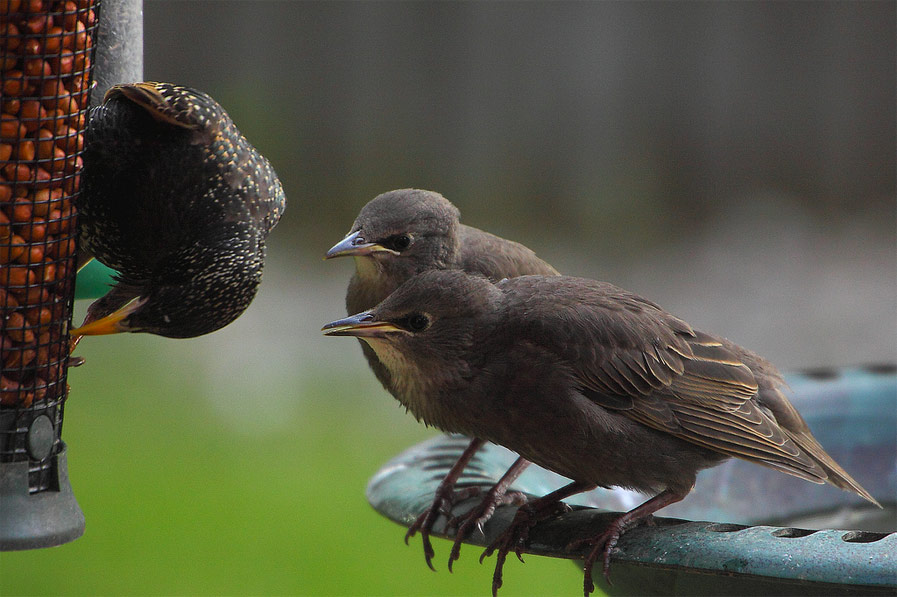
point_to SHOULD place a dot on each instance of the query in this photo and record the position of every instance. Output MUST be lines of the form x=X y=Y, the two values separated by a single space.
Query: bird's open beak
x=355 y=246
x=111 y=324
x=362 y=325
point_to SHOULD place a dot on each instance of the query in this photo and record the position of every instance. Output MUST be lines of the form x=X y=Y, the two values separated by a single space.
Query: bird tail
x=837 y=476
x=795 y=427
x=158 y=99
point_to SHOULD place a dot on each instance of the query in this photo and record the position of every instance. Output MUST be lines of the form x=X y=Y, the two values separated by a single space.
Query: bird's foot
x=73 y=344
x=517 y=533
x=445 y=498
x=602 y=545
x=479 y=515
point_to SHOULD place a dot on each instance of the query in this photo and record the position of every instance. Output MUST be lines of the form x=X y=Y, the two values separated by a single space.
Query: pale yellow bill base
x=111 y=324
x=360 y=325
x=355 y=246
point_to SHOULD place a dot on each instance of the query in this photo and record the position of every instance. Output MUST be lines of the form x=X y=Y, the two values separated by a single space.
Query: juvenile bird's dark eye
x=418 y=322
x=400 y=242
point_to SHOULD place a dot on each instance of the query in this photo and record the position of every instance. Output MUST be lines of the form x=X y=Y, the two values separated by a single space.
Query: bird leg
x=528 y=515
x=445 y=498
x=477 y=516
x=604 y=543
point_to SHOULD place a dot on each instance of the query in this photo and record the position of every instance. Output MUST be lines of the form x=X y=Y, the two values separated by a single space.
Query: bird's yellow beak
x=354 y=245
x=112 y=323
x=362 y=325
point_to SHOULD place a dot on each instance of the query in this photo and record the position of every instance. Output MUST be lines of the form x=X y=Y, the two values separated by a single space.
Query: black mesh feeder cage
x=48 y=49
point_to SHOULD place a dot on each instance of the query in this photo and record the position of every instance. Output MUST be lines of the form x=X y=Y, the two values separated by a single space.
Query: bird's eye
x=418 y=322
x=400 y=242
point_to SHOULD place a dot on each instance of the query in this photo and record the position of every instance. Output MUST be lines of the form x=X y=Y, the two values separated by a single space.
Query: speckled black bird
x=176 y=200
x=402 y=233
x=590 y=381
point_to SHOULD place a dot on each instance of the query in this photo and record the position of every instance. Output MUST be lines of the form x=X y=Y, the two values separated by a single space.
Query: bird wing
x=253 y=174
x=629 y=355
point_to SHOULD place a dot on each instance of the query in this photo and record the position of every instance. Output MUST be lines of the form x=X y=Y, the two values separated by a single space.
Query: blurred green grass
x=179 y=503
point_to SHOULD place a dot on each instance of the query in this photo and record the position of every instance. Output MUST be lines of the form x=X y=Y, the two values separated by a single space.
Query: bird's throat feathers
x=416 y=389
x=367 y=268
x=406 y=375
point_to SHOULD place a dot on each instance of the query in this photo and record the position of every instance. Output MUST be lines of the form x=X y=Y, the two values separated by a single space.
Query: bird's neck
x=420 y=392
x=367 y=287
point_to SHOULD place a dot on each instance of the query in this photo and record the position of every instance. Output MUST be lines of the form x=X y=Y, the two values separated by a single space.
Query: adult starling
x=590 y=381
x=176 y=200
x=396 y=236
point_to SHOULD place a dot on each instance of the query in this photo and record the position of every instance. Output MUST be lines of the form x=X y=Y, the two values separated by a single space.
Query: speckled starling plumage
x=397 y=235
x=176 y=200
x=587 y=380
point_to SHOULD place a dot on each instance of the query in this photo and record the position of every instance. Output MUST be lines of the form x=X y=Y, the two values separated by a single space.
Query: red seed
x=25 y=151
x=17 y=172
x=32 y=46
x=16 y=329
x=21 y=211
x=10 y=390
x=5 y=224
x=13 y=83
x=37 y=68
x=38 y=24
x=11 y=129
x=53 y=41
x=9 y=34
x=19 y=359
x=70 y=15
x=34 y=232
x=7 y=301
x=10 y=105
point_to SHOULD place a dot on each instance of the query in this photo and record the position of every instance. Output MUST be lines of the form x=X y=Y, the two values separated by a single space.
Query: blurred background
x=734 y=162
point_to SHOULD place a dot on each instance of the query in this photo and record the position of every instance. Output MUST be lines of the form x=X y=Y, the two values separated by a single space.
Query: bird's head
x=402 y=233
x=196 y=292
x=428 y=325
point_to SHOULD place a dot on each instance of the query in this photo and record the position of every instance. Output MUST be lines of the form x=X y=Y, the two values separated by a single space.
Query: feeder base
x=44 y=519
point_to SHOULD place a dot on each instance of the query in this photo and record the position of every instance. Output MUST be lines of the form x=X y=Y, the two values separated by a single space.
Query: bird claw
x=424 y=523
x=516 y=535
x=603 y=545
x=445 y=498
x=478 y=516
x=496 y=575
x=74 y=361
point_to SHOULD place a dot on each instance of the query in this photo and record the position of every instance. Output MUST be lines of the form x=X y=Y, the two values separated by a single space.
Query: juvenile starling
x=399 y=234
x=590 y=381
x=176 y=200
